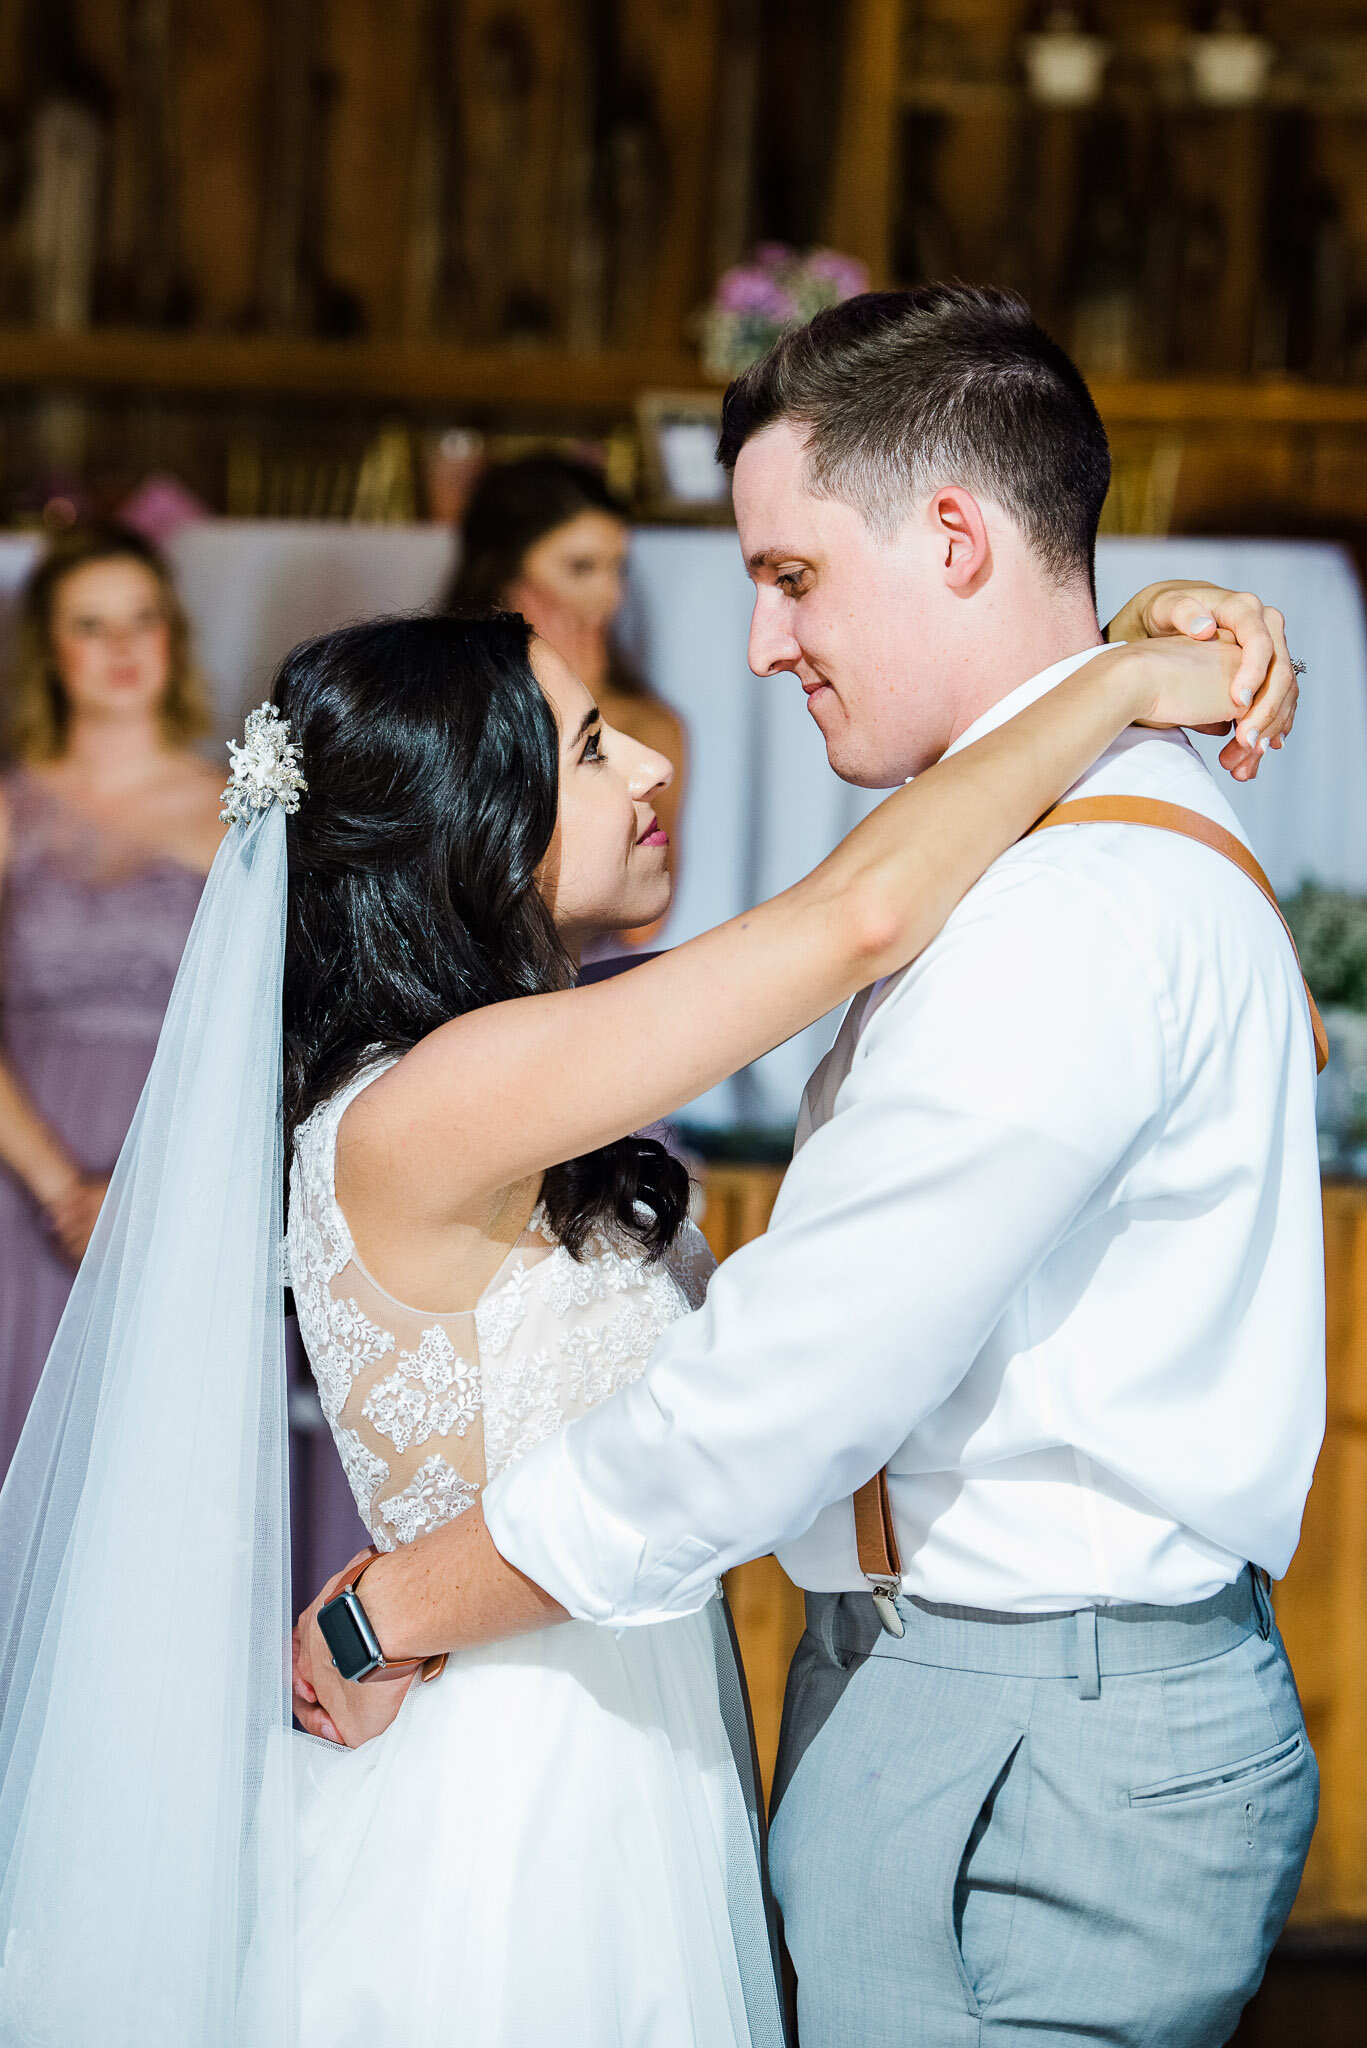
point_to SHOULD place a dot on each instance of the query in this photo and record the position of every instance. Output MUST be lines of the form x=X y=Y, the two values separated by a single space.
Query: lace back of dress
x=423 y=1405
x=403 y=1396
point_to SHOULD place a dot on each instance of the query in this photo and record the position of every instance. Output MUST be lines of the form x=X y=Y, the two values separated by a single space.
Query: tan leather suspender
x=875 y=1536
x=879 y=1558
x=1142 y=810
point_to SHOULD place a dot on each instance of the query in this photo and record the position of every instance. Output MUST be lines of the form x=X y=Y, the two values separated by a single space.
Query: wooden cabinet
x=1321 y=1603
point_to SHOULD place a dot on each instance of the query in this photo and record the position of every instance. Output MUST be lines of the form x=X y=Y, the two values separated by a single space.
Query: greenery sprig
x=1330 y=930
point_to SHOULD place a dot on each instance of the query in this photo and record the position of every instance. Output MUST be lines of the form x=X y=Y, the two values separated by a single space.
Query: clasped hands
x=1203 y=611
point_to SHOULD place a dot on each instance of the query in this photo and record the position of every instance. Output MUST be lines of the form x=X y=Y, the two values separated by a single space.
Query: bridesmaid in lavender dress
x=108 y=826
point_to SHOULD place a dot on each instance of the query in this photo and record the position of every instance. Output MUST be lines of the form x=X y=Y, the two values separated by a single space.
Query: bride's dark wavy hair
x=432 y=762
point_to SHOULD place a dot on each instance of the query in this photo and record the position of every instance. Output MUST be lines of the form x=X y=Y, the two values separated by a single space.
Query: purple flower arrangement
x=779 y=288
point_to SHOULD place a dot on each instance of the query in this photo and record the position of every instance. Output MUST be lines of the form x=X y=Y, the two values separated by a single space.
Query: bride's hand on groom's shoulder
x=1186 y=682
x=1200 y=611
x=1261 y=688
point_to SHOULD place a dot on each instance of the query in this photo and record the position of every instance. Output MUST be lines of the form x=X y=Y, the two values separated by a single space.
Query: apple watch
x=346 y=1629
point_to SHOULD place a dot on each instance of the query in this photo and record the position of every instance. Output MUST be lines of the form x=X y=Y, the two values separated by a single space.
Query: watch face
x=348 y=1634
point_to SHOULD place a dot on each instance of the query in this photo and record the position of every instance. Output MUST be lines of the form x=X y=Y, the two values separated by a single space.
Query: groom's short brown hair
x=903 y=392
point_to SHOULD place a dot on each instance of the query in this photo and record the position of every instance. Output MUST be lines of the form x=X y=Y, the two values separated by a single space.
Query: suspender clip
x=885 y=1593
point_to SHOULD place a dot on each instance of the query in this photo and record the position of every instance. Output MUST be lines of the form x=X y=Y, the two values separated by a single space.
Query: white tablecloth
x=257 y=587
x=763 y=806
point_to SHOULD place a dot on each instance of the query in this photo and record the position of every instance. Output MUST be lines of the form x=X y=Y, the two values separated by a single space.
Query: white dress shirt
x=1050 y=1247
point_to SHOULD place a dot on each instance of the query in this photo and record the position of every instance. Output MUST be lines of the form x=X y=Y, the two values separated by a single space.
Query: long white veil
x=146 y=1805
x=145 y=1880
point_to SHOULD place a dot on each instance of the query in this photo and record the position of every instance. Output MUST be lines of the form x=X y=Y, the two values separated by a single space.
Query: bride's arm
x=499 y=1095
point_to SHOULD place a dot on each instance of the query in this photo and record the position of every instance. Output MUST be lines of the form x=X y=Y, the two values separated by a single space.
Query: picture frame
x=680 y=476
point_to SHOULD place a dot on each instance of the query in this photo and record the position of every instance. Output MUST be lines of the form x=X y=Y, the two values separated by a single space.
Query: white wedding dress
x=550 y=1847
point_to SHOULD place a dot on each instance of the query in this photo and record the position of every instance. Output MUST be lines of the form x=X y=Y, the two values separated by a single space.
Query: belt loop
x=1262 y=1600
x=1088 y=1663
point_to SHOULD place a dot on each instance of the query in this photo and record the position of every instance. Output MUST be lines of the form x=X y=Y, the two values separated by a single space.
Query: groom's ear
x=961 y=538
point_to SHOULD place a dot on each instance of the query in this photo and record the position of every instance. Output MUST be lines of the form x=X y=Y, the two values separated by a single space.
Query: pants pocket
x=1245 y=1773
x=982 y=1902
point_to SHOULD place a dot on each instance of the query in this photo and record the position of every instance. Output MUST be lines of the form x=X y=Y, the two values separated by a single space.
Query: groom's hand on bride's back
x=306 y=1649
x=308 y=1710
x=326 y=1704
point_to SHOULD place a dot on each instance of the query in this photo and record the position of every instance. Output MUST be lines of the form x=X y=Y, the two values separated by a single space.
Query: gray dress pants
x=1049 y=1829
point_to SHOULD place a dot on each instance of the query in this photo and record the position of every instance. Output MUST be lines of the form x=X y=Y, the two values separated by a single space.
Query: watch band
x=430 y=1667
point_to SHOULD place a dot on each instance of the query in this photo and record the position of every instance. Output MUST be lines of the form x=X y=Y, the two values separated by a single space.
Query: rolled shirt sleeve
x=998 y=1090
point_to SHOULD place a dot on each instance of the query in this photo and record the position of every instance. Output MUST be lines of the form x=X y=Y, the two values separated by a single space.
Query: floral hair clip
x=265 y=769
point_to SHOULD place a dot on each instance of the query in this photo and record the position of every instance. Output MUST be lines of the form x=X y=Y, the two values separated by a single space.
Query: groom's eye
x=794 y=582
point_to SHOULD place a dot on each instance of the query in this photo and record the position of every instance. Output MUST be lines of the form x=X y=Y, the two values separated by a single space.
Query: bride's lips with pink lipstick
x=654 y=835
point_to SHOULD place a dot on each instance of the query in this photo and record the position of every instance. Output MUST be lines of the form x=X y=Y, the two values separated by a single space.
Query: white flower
x=265 y=769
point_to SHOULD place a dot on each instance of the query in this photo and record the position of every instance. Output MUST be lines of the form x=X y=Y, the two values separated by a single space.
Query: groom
x=1049 y=1249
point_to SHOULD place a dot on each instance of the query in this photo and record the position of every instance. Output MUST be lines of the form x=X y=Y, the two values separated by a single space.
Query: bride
x=550 y=1843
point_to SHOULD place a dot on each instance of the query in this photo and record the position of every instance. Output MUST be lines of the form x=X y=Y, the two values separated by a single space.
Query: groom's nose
x=773 y=648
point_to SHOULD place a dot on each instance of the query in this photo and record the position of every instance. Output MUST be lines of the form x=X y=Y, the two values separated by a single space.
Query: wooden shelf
x=430 y=374
x=1273 y=402
x=399 y=373
x=1009 y=98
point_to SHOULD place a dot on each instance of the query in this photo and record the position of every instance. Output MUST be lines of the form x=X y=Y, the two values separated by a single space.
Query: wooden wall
x=1154 y=232
x=575 y=172
x=492 y=170
x=1322 y=1601
x=560 y=182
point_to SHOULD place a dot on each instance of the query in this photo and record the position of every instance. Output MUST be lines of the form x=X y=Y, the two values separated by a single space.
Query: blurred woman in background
x=545 y=537
x=108 y=826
